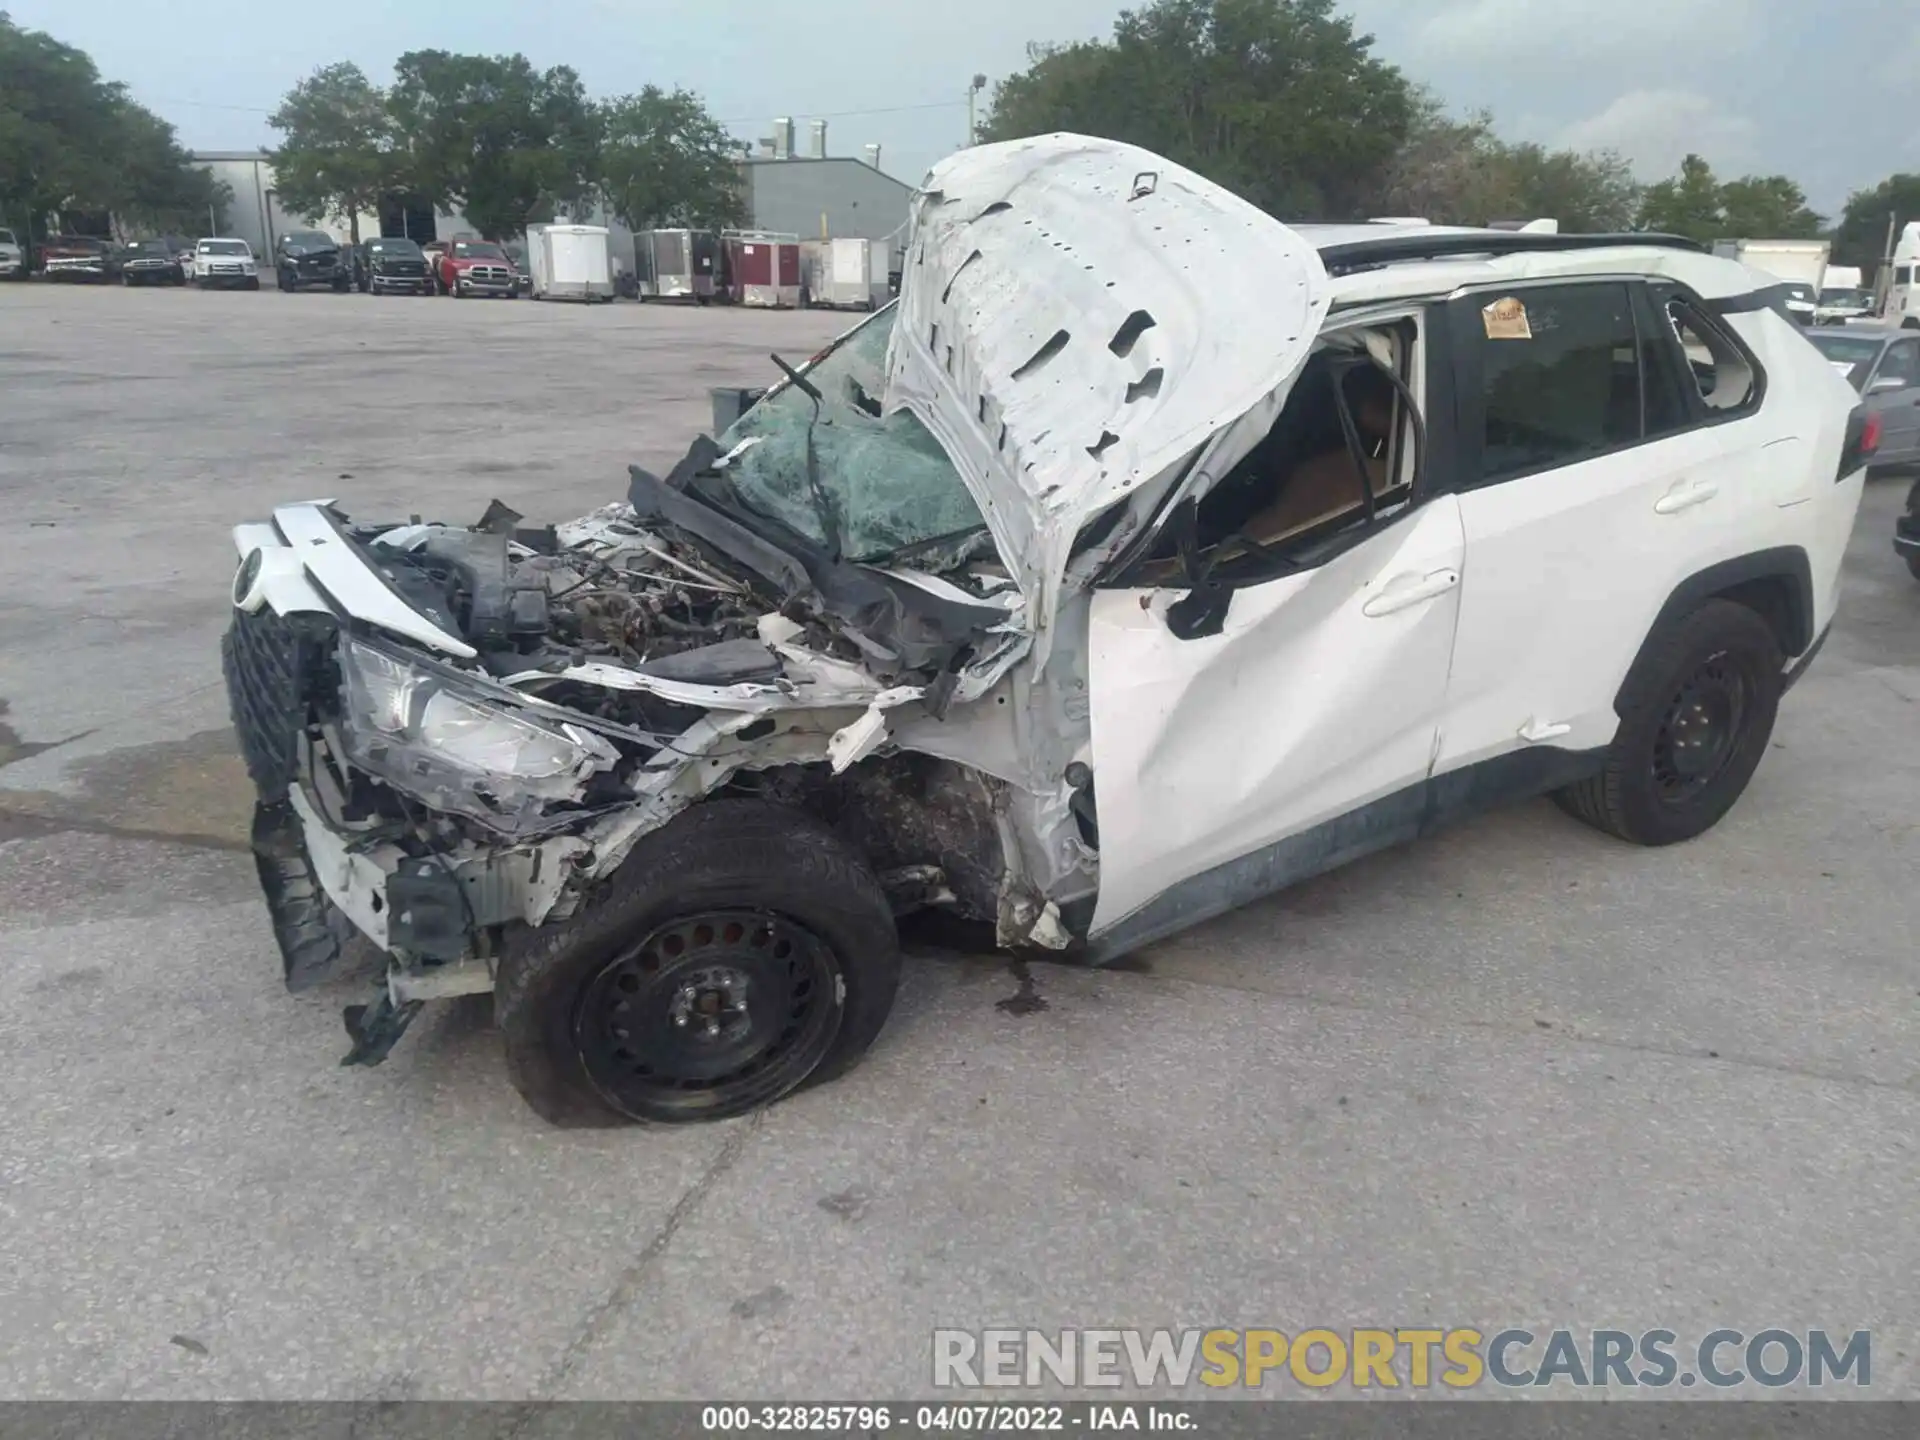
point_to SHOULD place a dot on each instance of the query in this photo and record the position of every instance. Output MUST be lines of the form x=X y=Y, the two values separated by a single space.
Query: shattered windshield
x=892 y=491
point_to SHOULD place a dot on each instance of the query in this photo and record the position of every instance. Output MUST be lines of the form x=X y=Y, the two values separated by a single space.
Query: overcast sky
x=1823 y=90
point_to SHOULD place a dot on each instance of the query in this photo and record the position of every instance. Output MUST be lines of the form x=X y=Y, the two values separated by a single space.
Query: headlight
x=457 y=749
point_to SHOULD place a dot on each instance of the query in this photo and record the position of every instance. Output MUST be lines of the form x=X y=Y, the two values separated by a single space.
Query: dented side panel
x=1323 y=691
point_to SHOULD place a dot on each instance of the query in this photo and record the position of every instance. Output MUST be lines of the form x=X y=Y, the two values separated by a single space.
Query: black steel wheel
x=734 y=1005
x=741 y=951
x=1696 y=714
x=1701 y=728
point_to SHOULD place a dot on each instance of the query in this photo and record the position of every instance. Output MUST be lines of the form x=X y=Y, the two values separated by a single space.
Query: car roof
x=1381 y=261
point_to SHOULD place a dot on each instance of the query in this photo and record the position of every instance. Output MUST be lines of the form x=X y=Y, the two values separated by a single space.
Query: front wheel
x=253 y=282
x=742 y=950
x=1695 y=717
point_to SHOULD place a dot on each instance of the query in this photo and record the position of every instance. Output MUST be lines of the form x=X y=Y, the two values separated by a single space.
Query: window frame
x=1667 y=367
x=1656 y=296
x=1433 y=387
x=1469 y=371
x=1909 y=343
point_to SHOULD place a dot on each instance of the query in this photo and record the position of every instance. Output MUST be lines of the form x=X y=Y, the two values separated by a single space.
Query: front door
x=1229 y=765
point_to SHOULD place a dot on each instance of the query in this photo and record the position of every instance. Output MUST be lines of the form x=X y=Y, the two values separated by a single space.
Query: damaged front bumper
x=439 y=803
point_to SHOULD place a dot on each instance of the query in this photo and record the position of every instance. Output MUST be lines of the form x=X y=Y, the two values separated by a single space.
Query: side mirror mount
x=1202 y=611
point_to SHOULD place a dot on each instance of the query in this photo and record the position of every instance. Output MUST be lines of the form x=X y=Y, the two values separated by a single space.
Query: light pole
x=973 y=131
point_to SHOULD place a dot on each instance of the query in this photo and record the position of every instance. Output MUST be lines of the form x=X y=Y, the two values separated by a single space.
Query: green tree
x=1686 y=204
x=1592 y=193
x=1446 y=170
x=1769 y=207
x=338 y=150
x=1861 y=237
x=665 y=160
x=490 y=134
x=1279 y=100
x=1458 y=172
x=1755 y=207
x=71 y=141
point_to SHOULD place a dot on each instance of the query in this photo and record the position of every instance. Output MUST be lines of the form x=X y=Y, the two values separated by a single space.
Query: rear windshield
x=477 y=250
x=1851 y=355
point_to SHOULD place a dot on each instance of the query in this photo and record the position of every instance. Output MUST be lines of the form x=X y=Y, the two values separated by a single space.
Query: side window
x=1560 y=377
x=1903 y=275
x=1312 y=485
x=1902 y=363
x=1719 y=365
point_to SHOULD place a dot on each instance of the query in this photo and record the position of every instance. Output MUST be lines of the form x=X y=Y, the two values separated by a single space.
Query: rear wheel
x=1695 y=718
x=741 y=951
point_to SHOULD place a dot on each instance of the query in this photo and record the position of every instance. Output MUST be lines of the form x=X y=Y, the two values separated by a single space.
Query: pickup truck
x=472 y=267
x=79 y=257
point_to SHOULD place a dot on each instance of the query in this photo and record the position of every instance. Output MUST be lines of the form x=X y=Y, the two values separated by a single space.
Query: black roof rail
x=1350 y=256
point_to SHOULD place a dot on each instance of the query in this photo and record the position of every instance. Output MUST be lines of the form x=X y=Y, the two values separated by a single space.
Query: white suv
x=1149 y=555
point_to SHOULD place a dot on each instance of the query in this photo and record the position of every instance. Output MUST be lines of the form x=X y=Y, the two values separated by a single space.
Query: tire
x=1696 y=714
x=253 y=282
x=696 y=882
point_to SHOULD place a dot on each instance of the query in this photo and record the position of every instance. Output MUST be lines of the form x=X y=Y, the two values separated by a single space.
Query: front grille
x=224 y=269
x=489 y=275
x=402 y=270
x=273 y=666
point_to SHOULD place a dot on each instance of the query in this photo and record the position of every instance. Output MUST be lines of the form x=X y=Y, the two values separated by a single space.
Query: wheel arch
x=1775 y=584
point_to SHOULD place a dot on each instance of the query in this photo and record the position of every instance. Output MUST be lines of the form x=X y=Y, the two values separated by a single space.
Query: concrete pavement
x=1517 y=1075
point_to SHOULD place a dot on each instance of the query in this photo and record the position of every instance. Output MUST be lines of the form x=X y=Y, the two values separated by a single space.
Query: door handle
x=1685 y=496
x=1534 y=731
x=1405 y=591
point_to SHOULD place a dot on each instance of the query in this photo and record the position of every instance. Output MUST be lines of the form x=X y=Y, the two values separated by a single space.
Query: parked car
x=155 y=262
x=79 y=257
x=522 y=267
x=475 y=267
x=389 y=264
x=303 y=259
x=1906 y=532
x=225 y=263
x=13 y=257
x=1883 y=366
x=1063 y=595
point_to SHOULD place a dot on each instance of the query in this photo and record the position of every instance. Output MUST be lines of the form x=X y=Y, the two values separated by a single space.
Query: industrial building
x=810 y=196
x=818 y=196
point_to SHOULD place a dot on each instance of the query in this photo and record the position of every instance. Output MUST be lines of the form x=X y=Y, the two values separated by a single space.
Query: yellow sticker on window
x=1506 y=320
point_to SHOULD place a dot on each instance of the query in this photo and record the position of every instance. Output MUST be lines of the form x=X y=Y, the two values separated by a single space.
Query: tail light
x=1863 y=441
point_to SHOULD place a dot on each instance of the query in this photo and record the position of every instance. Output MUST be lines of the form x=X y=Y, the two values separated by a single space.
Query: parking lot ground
x=1518 y=1075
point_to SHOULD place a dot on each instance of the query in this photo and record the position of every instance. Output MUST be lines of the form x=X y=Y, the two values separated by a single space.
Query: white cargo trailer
x=570 y=262
x=848 y=274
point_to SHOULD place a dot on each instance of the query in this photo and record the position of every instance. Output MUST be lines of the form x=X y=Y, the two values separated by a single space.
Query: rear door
x=1604 y=459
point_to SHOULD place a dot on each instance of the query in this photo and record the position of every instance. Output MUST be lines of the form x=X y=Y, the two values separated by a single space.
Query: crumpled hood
x=1077 y=316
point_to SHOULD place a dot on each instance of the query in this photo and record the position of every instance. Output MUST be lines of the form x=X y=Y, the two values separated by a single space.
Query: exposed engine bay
x=459 y=732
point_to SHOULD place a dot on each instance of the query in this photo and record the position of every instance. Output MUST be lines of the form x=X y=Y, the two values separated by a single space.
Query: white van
x=1902 y=307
